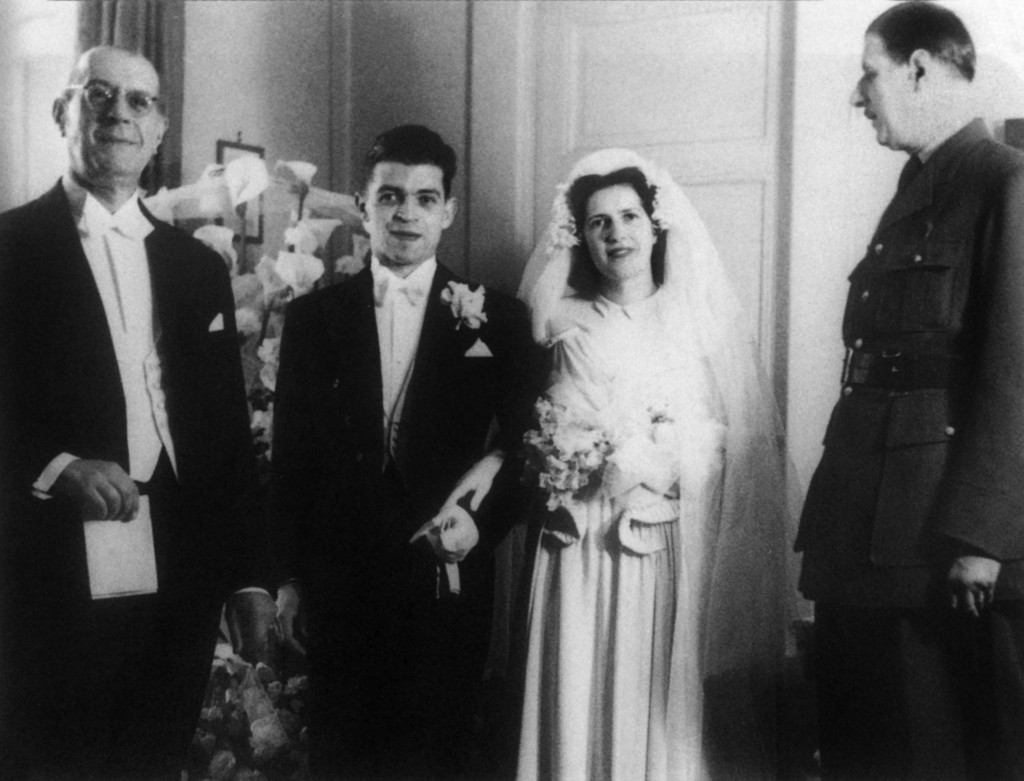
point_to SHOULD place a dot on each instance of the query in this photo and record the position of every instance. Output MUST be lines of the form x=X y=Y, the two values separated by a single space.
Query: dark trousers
x=920 y=694
x=396 y=660
x=111 y=689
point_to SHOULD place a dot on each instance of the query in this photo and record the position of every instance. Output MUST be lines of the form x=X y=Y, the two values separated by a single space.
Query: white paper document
x=121 y=557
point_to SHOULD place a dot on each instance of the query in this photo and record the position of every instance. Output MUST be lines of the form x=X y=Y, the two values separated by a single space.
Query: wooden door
x=695 y=86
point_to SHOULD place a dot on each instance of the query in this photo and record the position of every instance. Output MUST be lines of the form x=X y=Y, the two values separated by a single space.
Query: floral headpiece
x=563 y=234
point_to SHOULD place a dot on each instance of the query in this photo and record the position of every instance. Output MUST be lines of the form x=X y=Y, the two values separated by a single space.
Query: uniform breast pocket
x=917 y=293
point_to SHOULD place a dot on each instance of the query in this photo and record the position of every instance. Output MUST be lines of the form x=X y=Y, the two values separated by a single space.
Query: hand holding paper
x=102 y=490
x=121 y=556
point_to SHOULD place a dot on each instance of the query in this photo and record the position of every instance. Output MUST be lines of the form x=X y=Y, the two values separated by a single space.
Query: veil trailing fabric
x=734 y=600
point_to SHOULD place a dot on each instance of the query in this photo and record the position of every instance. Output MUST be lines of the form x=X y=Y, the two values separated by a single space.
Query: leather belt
x=902 y=371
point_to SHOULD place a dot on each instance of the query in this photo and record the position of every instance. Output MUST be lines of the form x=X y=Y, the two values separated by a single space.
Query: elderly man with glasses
x=125 y=455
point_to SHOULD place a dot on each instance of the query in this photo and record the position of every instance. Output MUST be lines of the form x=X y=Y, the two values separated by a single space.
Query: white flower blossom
x=248 y=321
x=299 y=271
x=302 y=238
x=295 y=172
x=269 y=352
x=467 y=305
x=221 y=240
x=246 y=178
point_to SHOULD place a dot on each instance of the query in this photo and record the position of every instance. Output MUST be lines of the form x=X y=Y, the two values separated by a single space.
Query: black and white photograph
x=512 y=390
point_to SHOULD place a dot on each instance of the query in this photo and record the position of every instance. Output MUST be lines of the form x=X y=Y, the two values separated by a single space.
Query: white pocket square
x=479 y=350
x=217 y=324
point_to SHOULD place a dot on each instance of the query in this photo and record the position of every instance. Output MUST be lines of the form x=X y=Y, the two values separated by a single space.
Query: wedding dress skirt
x=613 y=687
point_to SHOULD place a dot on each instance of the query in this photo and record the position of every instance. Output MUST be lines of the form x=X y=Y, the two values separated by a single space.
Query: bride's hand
x=477 y=481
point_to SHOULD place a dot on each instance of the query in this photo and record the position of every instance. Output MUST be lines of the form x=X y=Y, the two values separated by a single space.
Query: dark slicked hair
x=411 y=145
x=584 y=277
x=919 y=24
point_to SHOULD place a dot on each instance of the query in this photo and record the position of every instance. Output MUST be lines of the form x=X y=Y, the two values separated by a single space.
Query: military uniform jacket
x=918 y=473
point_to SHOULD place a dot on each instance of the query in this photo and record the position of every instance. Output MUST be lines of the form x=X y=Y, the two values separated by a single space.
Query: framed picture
x=232 y=150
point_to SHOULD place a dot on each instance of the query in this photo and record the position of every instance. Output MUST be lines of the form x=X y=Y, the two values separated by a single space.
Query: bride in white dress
x=657 y=604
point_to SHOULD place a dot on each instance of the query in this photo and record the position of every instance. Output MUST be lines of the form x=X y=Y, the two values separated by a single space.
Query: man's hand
x=477 y=481
x=451 y=533
x=102 y=490
x=289 y=616
x=251 y=616
x=972 y=583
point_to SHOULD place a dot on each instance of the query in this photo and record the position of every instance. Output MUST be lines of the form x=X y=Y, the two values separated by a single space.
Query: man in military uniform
x=913 y=530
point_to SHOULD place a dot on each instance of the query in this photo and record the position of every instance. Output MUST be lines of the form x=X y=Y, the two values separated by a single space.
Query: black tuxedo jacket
x=60 y=391
x=341 y=526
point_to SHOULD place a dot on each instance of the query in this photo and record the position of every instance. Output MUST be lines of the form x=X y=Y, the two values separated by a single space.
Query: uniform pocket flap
x=920 y=417
x=934 y=255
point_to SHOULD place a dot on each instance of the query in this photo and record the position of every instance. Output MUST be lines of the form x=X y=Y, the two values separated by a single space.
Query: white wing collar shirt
x=114 y=246
x=400 y=305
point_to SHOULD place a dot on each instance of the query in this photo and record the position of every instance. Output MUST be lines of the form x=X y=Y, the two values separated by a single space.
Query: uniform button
x=847 y=390
x=918 y=258
x=950 y=431
x=858 y=343
x=864 y=295
x=878 y=248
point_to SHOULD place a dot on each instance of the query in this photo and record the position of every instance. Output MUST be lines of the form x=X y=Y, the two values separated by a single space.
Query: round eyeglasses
x=102 y=97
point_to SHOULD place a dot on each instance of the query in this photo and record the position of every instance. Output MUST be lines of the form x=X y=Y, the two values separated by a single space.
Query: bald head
x=111 y=116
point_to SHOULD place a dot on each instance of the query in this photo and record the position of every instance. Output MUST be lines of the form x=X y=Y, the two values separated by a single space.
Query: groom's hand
x=452 y=534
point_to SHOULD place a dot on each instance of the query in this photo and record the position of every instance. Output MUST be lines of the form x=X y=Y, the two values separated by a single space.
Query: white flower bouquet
x=564 y=453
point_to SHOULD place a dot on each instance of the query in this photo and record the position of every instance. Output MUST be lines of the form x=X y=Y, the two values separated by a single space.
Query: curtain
x=156 y=29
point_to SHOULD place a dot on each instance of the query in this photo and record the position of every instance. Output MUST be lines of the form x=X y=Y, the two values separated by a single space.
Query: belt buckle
x=891 y=359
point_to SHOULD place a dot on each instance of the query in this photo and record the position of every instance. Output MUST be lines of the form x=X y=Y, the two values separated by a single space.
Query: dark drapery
x=156 y=28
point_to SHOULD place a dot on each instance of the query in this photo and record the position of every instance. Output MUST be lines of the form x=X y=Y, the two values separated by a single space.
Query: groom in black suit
x=388 y=470
x=120 y=388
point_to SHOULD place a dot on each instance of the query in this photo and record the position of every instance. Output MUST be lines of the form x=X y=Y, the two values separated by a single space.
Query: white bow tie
x=129 y=223
x=414 y=292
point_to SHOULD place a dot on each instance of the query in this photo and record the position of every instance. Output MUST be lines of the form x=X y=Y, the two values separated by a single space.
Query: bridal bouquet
x=620 y=448
x=563 y=453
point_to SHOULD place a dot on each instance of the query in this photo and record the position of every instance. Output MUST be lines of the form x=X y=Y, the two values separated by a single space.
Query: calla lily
x=325 y=203
x=347 y=266
x=322 y=229
x=269 y=352
x=220 y=240
x=206 y=197
x=302 y=238
x=246 y=178
x=161 y=205
x=296 y=172
x=299 y=271
x=274 y=287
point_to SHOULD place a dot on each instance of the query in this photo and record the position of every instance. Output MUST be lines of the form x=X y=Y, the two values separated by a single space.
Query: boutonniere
x=467 y=305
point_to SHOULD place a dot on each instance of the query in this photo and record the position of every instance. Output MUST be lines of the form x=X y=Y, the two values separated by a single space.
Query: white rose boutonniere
x=467 y=305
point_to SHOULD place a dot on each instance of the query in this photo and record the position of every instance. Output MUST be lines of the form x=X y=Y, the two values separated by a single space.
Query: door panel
x=694 y=86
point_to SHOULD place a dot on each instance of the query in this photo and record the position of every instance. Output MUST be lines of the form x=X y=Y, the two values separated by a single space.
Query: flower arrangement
x=263 y=289
x=251 y=726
